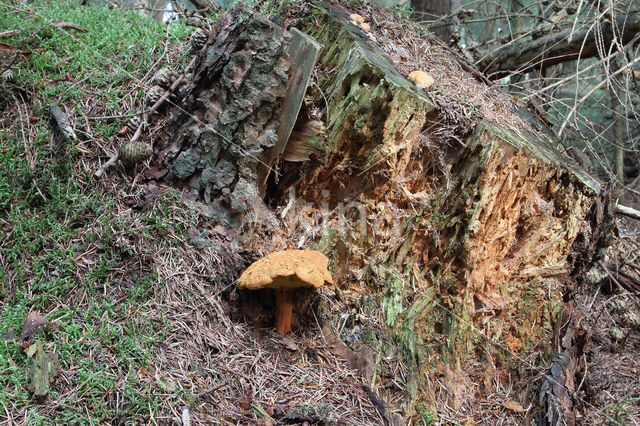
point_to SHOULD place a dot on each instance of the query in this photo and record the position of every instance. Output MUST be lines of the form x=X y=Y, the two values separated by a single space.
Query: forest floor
x=608 y=389
x=126 y=277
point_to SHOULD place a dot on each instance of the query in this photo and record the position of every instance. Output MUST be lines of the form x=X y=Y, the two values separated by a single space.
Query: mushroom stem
x=284 y=309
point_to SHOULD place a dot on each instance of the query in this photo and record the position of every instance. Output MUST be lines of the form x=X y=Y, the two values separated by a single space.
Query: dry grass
x=226 y=368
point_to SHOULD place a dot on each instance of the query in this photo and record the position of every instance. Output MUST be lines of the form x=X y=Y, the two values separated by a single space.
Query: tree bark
x=230 y=114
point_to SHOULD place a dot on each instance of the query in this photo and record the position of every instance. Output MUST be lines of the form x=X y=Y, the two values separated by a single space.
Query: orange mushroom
x=421 y=79
x=356 y=19
x=284 y=271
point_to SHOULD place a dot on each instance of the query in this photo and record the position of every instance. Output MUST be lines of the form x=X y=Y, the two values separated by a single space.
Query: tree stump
x=464 y=245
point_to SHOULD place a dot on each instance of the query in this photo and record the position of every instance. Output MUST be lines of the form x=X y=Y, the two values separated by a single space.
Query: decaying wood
x=66 y=129
x=487 y=230
x=463 y=240
x=558 y=383
x=303 y=54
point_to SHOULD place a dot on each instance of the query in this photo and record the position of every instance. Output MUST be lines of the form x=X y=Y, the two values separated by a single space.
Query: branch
x=628 y=211
x=11 y=33
x=555 y=48
x=592 y=91
x=63 y=123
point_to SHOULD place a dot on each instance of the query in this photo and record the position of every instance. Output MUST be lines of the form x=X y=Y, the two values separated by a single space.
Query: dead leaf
x=32 y=325
x=43 y=368
x=289 y=343
x=245 y=402
x=6 y=47
x=123 y=131
x=154 y=172
x=361 y=361
x=512 y=405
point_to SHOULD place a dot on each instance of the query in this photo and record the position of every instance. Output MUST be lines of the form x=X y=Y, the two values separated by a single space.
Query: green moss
x=117 y=45
x=65 y=250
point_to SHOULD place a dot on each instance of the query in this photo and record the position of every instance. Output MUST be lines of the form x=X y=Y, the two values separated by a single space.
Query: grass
x=116 y=47
x=617 y=414
x=66 y=250
x=425 y=416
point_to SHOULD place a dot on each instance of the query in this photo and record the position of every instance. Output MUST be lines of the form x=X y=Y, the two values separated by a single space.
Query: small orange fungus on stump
x=421 y=79
x=356 y=19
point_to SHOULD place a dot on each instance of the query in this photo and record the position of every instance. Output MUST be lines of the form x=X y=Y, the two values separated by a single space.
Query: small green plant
x=619 y=414
x=427 y=417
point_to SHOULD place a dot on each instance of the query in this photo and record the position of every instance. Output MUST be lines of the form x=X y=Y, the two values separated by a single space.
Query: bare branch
x=555 y=48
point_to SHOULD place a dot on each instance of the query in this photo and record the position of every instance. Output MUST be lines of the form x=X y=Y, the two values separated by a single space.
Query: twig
x=69 y=25
x=621 y=283
x=592 y=91
x=63 y=123
x=573 y=76
x=627 y=211
x=11 y=33
x=213 y=389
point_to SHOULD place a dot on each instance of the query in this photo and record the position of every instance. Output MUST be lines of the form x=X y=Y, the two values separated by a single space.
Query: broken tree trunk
x=464 y=244
x=230 y=113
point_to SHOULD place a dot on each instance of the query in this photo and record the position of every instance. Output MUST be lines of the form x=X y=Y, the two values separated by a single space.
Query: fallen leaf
x=361 y=361
x=6 y=47
x=142 y=372
x=43 y=368
x=123 y=131
x=154 y=172
x=245 y=402
x=512 y=405
x=32 y=325
x=289 y=343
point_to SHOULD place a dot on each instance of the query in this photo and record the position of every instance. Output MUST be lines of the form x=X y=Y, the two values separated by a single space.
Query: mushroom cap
x=287 y=269
x=421 y=79
x=357 y=19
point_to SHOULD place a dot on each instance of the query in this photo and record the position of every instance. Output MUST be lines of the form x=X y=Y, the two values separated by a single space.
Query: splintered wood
x=486 y=217
x=527 y=213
